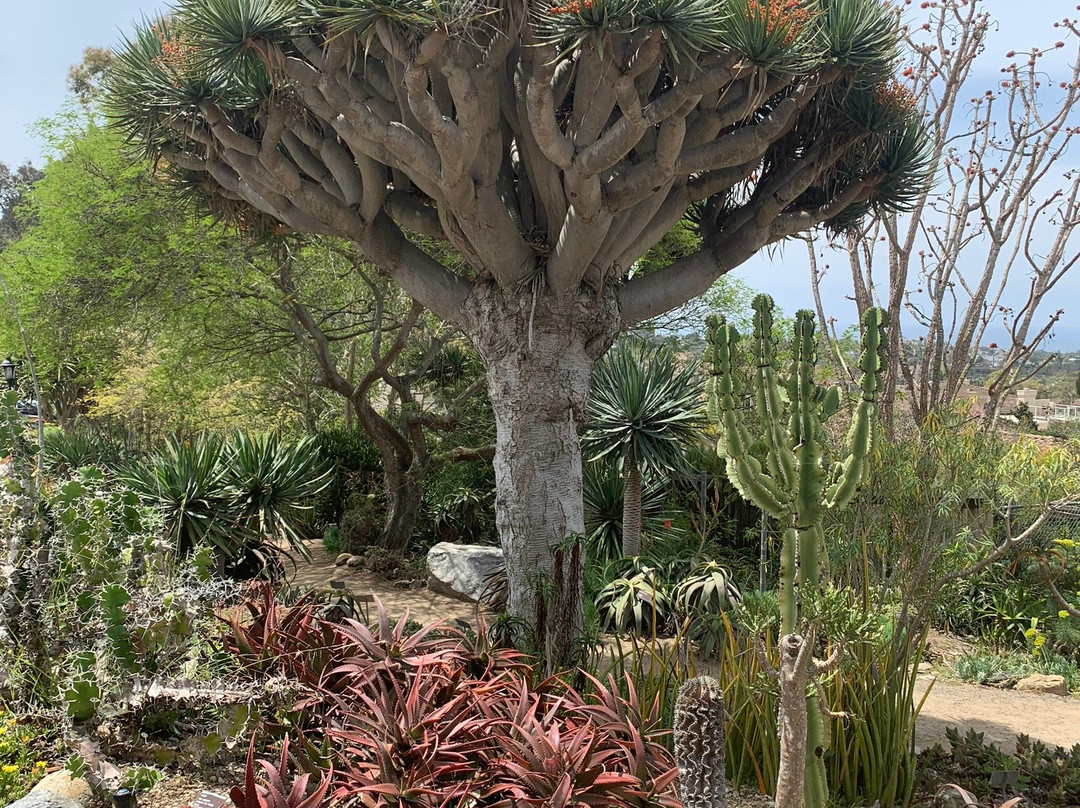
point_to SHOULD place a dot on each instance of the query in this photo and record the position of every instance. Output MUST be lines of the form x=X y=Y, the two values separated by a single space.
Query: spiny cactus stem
x=788 y=601
x=700 y=743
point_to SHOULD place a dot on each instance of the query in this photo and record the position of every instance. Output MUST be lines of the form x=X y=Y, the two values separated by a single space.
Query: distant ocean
x=1066 y=338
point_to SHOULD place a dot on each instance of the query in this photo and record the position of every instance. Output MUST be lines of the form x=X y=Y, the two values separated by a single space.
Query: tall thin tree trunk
x=403 y=499
x=401 y=480
x=631 y=515
x=539 y=352
x=794 y=677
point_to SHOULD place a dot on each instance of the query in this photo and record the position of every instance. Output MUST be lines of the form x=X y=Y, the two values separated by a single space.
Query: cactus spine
x=793 y=484
x=699 y=743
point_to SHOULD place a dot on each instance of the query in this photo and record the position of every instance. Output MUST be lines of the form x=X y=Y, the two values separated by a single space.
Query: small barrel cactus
x=699 y=743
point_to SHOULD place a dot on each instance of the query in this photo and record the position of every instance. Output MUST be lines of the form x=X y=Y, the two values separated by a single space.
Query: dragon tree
x=551 y=146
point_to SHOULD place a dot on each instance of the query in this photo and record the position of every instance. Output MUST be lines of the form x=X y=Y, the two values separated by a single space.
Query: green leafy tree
x=1025 y=418
x=552 y=146
x=13 y=188
x=146 y=315
x=644 y=411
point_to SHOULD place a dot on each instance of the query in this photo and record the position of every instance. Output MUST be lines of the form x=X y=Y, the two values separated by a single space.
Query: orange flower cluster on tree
x=573 y=7
x=175 y=54
x=895 y=97
x=786 y=16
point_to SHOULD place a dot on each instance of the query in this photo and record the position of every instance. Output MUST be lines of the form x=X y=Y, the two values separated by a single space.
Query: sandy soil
x=1000 y=714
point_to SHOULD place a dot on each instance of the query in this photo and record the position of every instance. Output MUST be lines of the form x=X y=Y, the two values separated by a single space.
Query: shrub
x=459 y=505
x=331 y=540
x=355 y=467
x=989 y=669
x=1045 y=775
x=361 y=524
x=109 y=598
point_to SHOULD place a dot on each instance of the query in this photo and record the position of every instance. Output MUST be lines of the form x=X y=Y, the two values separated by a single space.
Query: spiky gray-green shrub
x=699 y=743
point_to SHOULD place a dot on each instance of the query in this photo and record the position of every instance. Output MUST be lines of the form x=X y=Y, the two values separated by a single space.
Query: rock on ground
x=58 y=790
x=1042 y=683
x=462 y=570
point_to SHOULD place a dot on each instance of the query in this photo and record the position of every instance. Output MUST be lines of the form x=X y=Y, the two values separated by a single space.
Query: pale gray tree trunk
x=539 y=352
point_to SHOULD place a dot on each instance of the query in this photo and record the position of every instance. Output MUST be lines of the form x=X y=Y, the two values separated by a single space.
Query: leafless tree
x=373 y=347
x=1006 y=204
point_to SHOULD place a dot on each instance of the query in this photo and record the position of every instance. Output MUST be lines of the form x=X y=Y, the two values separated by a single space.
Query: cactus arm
x=804 y=423
x=743 y=469
x=860 y=437
x=789 y=606
x=770 y=408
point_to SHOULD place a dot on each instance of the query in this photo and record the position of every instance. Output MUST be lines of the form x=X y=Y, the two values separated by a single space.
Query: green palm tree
x=644 y=409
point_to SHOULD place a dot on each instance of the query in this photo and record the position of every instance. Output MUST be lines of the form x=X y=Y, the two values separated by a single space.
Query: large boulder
x=58 y=790
x=1042 y=683
x=463 y=571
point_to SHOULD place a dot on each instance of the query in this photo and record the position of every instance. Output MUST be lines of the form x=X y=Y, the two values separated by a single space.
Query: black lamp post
x=9 y=372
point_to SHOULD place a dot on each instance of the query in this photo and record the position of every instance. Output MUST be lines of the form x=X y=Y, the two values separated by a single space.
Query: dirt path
x=423 y=606
x=1000 y=714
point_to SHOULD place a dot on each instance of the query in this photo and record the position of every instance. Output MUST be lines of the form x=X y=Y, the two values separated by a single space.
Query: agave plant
x=644 y=410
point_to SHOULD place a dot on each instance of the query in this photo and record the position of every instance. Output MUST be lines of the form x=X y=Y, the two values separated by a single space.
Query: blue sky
x=35 y=67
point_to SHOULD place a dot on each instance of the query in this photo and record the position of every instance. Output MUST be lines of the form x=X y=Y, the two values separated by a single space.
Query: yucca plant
x=186 y=482
x=645 y=410
x=65 y=452
x=604 y=490
x=273 y=483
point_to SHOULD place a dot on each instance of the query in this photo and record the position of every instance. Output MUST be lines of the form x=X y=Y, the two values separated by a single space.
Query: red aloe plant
x=293 y=640
x=276 y=790
x=431 y=719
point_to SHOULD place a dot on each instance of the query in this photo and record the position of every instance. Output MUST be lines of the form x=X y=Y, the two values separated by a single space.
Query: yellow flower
x=9 y=769
x=41 y=764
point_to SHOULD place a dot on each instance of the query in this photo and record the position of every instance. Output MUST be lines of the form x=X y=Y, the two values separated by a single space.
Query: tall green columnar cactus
x=699 y=744
x=787 y=474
